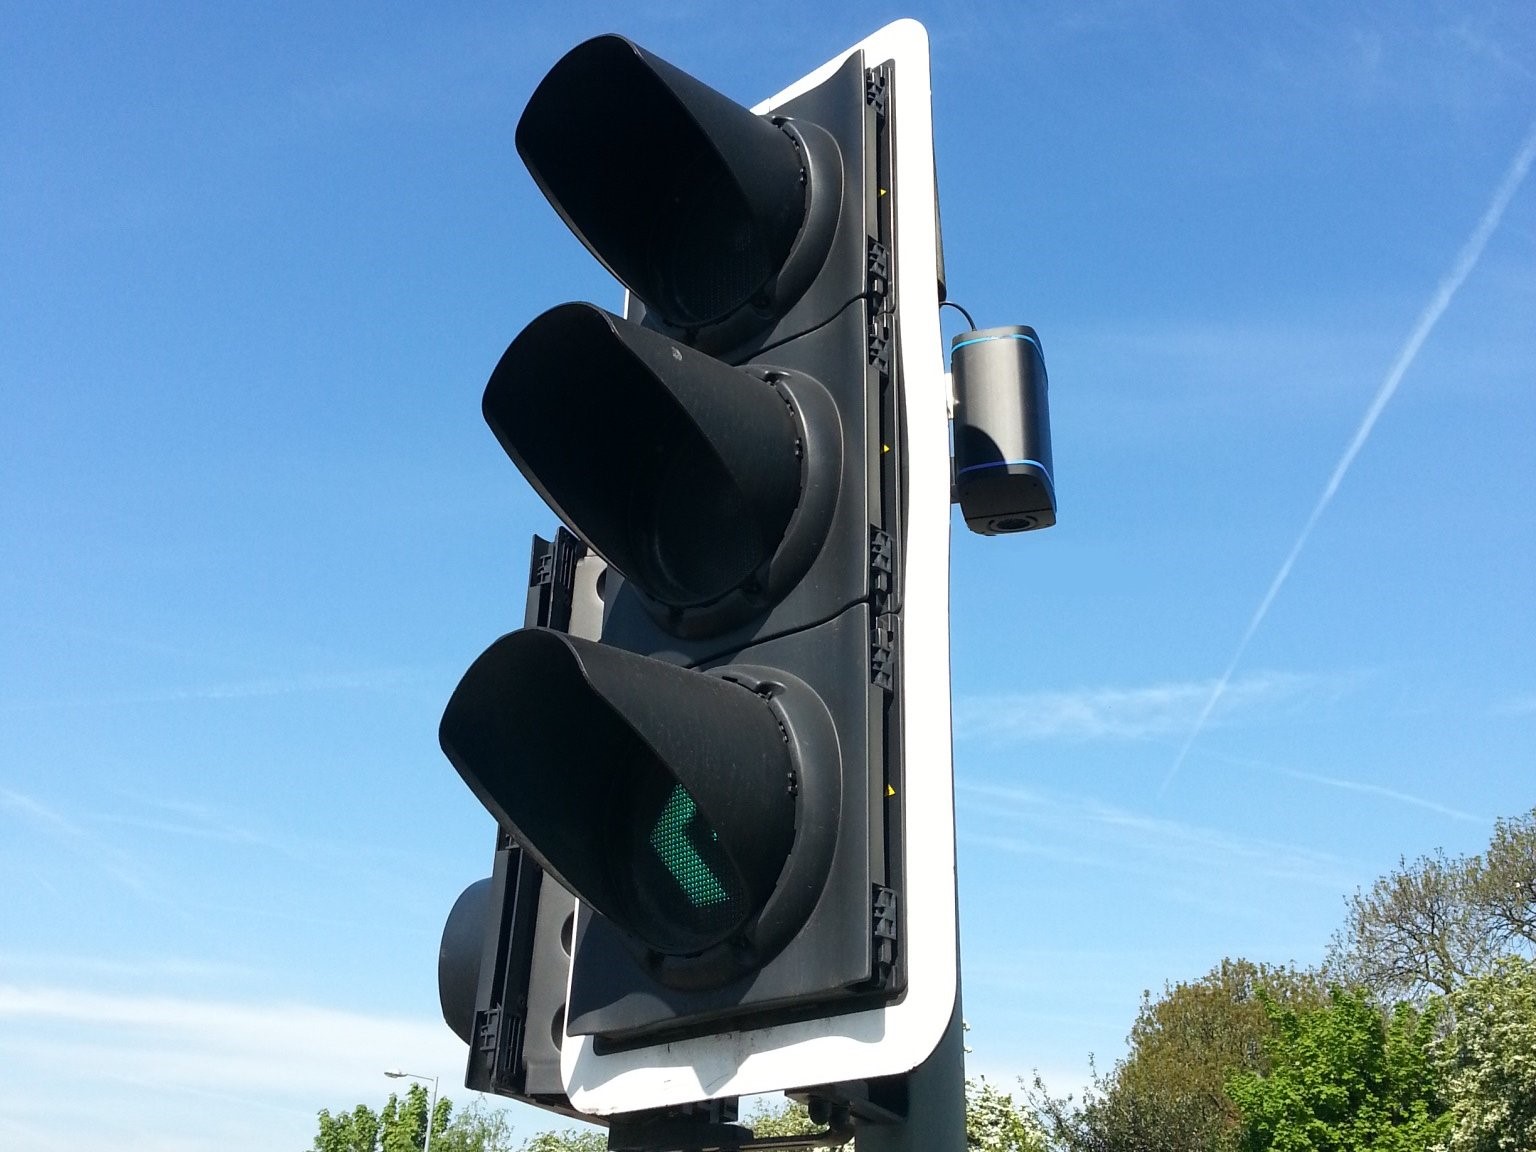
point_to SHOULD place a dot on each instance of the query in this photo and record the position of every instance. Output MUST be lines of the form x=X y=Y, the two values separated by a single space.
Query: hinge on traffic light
x=550 y=579
x=876 y=90
x=880 y=342
x=884 y=925
x=497 y=1054
x=882 y=652
x=879 y=273
x=882 y=566
x=878 y=286
x=489 y=1031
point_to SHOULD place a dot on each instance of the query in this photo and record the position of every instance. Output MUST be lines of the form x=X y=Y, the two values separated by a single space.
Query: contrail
x=1466 y=260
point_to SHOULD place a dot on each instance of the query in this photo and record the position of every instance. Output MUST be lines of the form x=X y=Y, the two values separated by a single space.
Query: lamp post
x=397 y=1074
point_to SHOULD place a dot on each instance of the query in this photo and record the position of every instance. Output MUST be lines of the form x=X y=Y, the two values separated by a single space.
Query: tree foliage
x=1430 y=1035
x=994 y=1123
x=475 y=1129
x=354 y=1131
x=1429 y=926
x=567 y=1140
x=782 y=1118
x=401 y=1126
x=1504 y=883
x=1490 y=1060
x=1169 y=1093
x=1417 y=931
x=1344 y=1079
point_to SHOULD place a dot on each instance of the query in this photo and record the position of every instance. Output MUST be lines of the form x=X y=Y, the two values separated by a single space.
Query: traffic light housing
x=722 y=779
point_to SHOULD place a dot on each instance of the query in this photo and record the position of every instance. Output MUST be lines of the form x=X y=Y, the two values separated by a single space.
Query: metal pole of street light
x=396 y=1074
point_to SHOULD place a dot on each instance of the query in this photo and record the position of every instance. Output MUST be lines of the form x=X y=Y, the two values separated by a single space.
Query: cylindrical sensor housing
x=1002 y=430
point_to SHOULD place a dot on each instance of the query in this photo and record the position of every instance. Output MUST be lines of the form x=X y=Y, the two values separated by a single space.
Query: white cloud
x=77 y=840
x=85 y=1067
x=380 y=680
x=1158 y=711
x=1367 y=789
x=1083 y=831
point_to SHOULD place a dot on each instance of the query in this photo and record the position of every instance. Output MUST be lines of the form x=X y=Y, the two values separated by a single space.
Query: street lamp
x=397 y=1074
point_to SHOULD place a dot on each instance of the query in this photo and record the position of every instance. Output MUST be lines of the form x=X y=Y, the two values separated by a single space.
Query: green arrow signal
x=671 y=842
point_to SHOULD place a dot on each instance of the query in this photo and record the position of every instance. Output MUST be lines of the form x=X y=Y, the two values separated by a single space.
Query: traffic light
x=730 y=779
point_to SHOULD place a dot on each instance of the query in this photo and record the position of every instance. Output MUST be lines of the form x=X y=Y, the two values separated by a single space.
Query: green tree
x=474 y=1129
x=568 y=1140
x=782 y=1118
x=1503 y=883
x=1430 y=925
x=994 y=1123
x=1416 y=932
x=354 y=1131
x=1343 y=1078
x=403 y=1123
x=1489 y=1059
x=401 y=1126
x=1169 y=1093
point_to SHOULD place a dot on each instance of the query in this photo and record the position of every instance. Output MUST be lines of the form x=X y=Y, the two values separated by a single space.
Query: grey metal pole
x=431 y=1115
x=935 y=1102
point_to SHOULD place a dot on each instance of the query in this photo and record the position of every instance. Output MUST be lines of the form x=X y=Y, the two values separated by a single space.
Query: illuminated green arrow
x=669 y=839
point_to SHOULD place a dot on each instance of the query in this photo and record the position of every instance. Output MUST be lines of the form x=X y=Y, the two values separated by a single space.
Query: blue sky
x=257 y=268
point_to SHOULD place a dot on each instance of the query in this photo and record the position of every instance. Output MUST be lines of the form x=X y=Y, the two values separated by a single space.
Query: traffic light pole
x=935 y=1102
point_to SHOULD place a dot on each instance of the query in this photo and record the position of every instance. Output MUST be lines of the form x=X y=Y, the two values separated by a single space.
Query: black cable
x=962 y=311
x=841 y=308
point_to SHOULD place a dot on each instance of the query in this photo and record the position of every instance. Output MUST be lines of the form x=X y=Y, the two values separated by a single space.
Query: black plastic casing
x=820 y=629
x=1004 y=480
x=803 y=612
